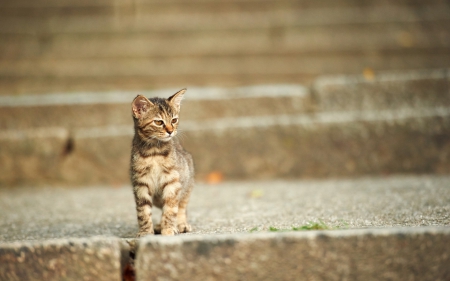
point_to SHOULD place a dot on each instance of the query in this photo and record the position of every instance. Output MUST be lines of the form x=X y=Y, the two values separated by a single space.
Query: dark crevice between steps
x=128 y=258
x=69 y=147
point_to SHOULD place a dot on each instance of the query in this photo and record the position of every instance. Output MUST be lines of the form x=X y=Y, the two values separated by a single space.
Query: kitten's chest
x=156 y=169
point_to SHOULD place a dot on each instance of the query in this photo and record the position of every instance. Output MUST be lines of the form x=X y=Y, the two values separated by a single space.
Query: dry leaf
x=369 y=74
x=214 y=177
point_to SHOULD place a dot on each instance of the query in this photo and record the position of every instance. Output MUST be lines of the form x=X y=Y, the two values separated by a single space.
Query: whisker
x=180 y=135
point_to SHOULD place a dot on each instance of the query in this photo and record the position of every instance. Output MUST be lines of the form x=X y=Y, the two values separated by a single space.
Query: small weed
x=254 y=229
x=274 y=229
x=312 y=226
x=309 y=226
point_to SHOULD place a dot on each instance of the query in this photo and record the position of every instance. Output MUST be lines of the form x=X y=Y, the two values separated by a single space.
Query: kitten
x=161 y=170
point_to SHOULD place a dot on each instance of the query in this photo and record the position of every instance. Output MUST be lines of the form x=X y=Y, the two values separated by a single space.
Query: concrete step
x=349 y=126
x=56 y=47
x=372 y=228
x=290 y=40
x=87 y=3
x=281 y=25
x=140 y=20
x=81 y=110
x=37 y=85
x=203 y=4
x=25 y=85
x=195 y=68
x=351 y=255
x=328 y=145
x=33 y=213
x=64 y=259
x=383 y=91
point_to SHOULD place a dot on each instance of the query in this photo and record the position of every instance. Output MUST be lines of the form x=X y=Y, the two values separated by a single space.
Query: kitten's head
x=157 y=118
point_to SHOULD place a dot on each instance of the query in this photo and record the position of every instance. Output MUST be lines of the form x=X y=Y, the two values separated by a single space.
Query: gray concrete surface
x=232 y=207
x=381 y=254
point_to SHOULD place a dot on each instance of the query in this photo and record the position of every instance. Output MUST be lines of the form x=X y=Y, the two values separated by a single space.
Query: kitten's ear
x=140 y=106
x=176 y=98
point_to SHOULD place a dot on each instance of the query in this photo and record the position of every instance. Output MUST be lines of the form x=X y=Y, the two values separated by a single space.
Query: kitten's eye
x=174 y=120
x=159 y=122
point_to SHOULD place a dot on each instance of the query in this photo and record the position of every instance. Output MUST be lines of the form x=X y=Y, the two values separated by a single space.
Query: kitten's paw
x=184 y=227
x=169 y=232
x=144 y=233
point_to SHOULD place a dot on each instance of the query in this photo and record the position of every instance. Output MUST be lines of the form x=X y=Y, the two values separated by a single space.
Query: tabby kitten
x=161 y=170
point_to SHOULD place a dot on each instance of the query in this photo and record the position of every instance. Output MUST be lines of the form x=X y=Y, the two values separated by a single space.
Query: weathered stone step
x=382 y=91
x=85 y=110
x=303 y=146
x=374 y=226
x=369 y=254
x=64 y=259
x=181 y=21
x=365 y=130
x=373 y=254
x=214 y=5
x=375 y=91
x=334 y=146
x=243 y=66
x=25 y=85
x=288 y=41
x=77 y=45
x=32 y=213
x=32 y=218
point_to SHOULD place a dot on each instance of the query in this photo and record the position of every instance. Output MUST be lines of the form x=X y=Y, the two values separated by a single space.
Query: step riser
x=177 y=3
x=245 y=66
x=183 y=21
x=358 y=255
x=36 y=85
x=75 y=259
x=288 y=41
x=326 y=150
x=76 y=116
x=304 y=149
x=326 y=255
x=383 y=91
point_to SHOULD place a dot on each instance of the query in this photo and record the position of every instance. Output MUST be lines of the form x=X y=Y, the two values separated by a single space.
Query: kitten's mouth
x=167 y=138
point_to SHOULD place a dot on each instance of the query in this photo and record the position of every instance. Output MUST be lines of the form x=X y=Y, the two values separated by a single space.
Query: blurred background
x=276 y=89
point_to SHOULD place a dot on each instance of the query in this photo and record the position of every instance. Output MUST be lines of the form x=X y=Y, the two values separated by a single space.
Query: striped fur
x=161 y=170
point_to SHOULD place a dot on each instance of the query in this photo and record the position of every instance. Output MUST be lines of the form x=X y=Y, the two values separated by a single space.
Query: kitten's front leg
x=171 y=191
x=183 y=225
x=144 y=210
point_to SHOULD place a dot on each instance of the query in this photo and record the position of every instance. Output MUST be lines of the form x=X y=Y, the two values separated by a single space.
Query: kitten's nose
x=169 y=130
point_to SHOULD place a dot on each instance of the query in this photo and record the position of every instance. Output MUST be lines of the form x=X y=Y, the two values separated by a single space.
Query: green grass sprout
x=320 y=225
